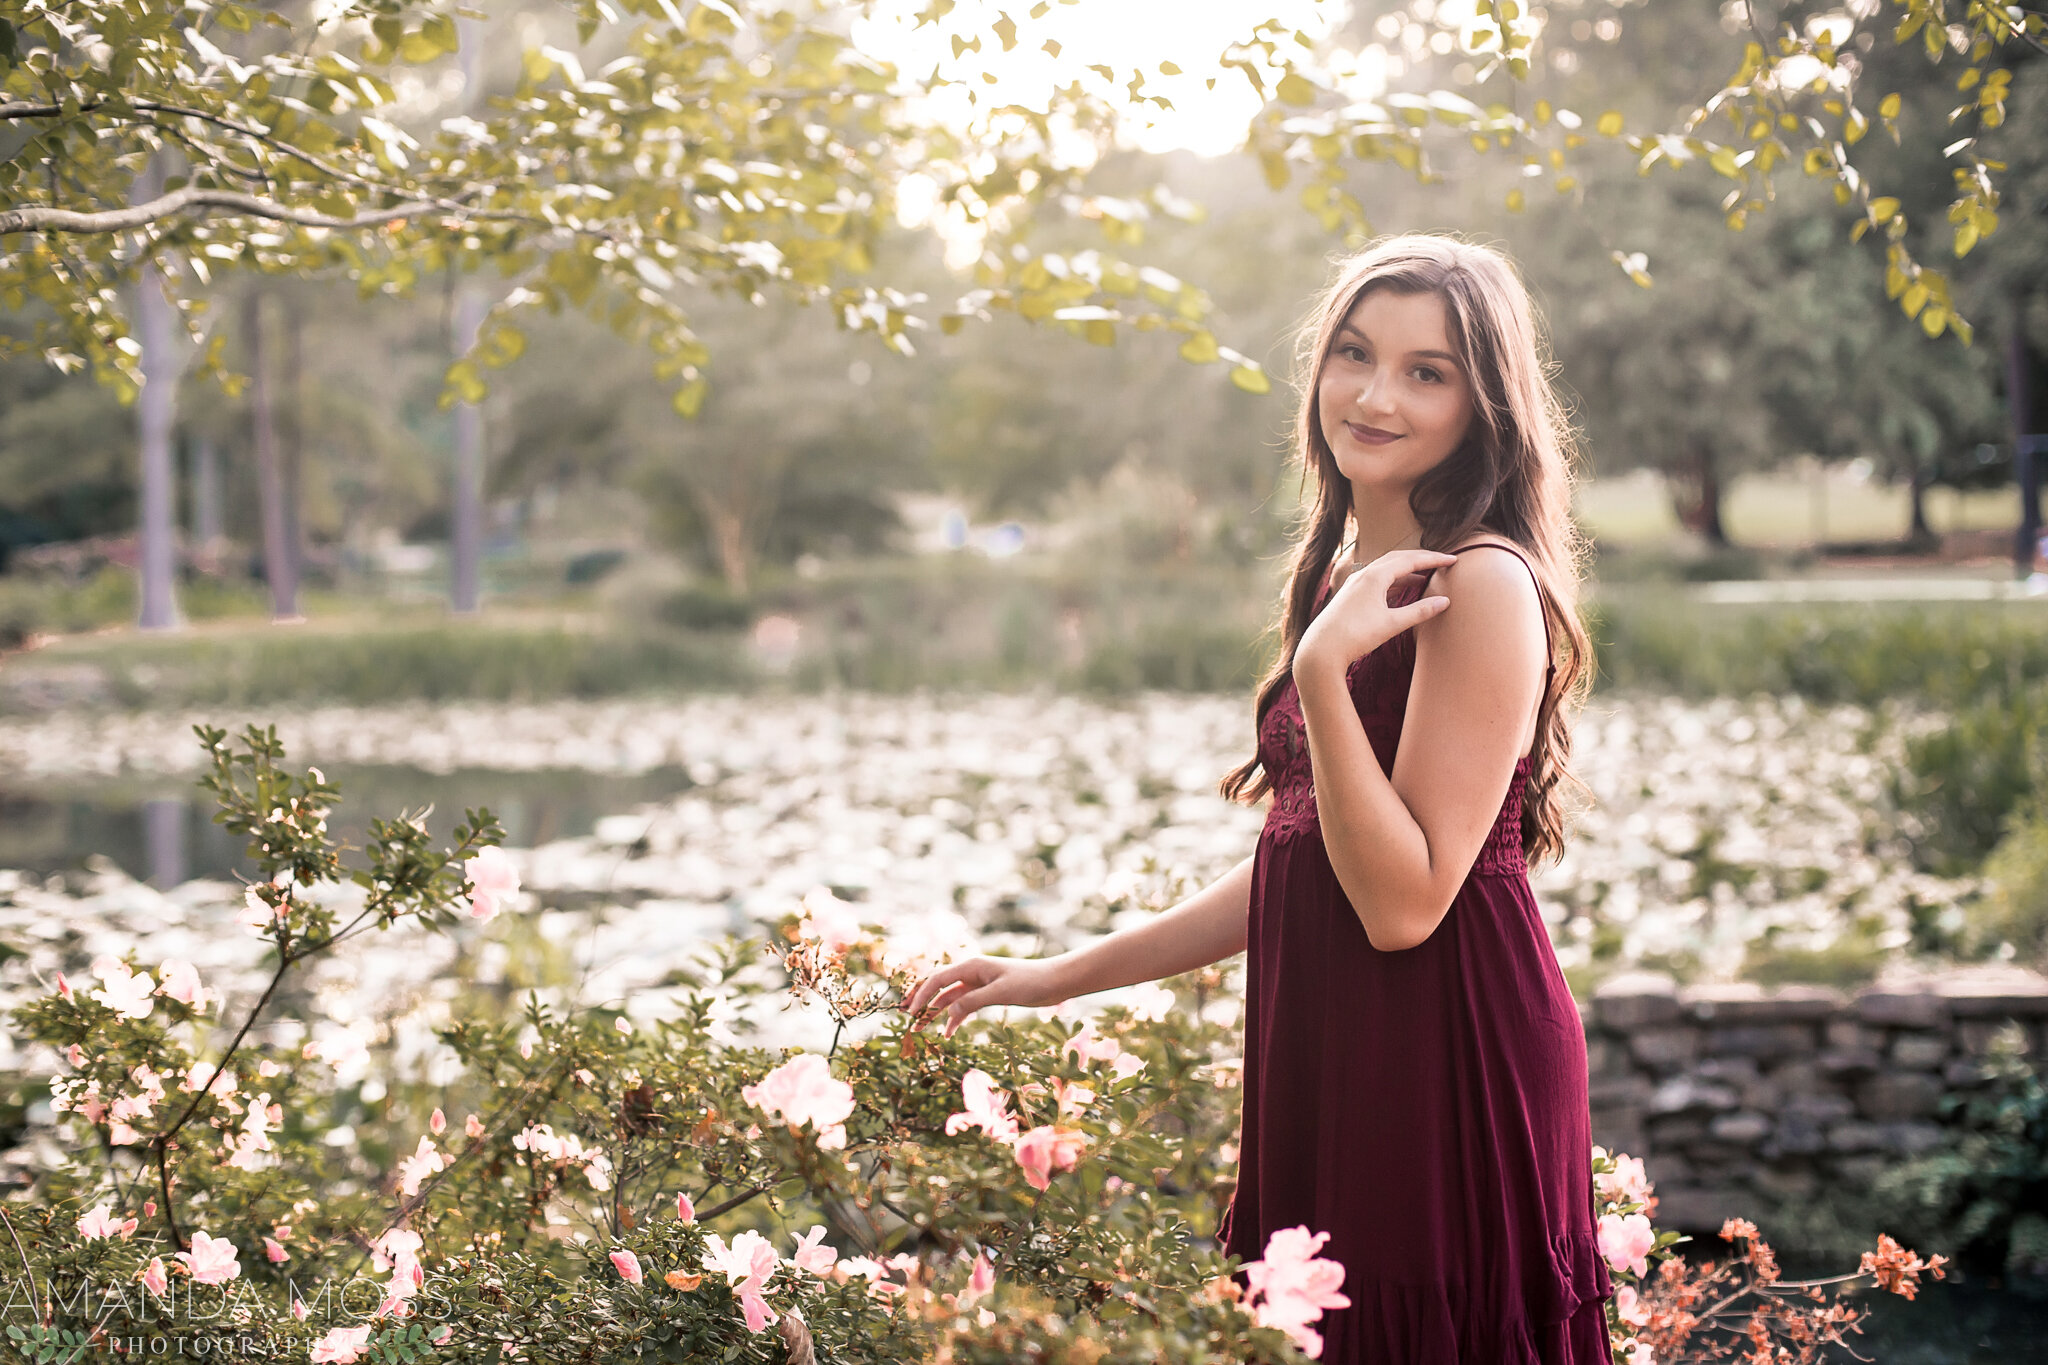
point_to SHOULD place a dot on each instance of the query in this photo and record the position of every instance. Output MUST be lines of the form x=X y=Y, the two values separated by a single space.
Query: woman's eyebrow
x=1348 y=329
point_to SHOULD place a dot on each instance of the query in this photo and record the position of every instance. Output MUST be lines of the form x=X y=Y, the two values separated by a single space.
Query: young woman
x=1415 y=1069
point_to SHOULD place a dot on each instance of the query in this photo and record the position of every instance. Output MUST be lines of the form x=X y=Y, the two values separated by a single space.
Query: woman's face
x=1393 y=399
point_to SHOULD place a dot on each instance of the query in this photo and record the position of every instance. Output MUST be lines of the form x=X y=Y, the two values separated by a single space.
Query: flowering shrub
x=663 y=1188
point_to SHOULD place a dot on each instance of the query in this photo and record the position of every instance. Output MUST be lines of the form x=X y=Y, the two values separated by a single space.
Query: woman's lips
x=1371 y=436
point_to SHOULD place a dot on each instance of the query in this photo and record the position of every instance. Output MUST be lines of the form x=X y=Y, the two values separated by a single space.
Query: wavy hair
x=1511 y=478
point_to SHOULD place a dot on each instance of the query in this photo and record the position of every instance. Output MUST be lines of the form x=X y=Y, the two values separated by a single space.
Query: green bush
x=707 y=606
x=1965 y=780
x=2016 y=909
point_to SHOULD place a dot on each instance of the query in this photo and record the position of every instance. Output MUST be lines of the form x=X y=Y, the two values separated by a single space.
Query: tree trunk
x=729 y=538
x=155 y=412
x=2026 y=460
x=1919 y=534
x=292 y=444
x=279 y=570
x=206 y=496
x=1696 y=493
x=466 y=532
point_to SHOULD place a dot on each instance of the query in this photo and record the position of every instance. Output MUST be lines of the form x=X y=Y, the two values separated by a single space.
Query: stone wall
x=1739 y=1099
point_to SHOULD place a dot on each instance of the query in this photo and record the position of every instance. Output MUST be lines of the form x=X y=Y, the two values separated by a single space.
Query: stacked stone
x=1738 y=1099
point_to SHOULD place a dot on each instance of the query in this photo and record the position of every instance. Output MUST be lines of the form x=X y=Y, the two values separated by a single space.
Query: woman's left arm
x=1402 y=845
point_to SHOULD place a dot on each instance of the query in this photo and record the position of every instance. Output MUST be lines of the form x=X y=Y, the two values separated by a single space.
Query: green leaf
x=1200 y=348
x=10 y=51
x=1251 y=377
x=1296 y=89
x=1609 y=124
x=689 y=399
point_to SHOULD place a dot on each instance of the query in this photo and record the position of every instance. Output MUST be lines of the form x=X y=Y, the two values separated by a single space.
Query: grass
x=1788 y=508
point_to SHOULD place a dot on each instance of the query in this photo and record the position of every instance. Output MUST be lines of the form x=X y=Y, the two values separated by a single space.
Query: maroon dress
x=1426 y=1108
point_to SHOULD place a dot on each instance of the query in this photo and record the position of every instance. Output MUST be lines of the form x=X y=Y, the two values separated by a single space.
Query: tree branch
x=45 y=219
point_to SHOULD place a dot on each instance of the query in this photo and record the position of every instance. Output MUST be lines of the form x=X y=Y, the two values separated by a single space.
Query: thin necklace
x=1350 y=549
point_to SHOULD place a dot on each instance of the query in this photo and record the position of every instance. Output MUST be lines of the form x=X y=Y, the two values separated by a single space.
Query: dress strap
x=1549 y=648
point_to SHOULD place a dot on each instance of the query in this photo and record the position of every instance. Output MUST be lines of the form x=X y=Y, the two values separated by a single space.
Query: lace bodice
x=1379 y=689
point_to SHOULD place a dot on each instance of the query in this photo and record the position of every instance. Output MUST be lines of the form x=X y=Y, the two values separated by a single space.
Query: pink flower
x=396 y=1248
x=473 y=1126
x=153 y=1277
x=437 y=1123
x=812 y=1256
x=1626 y=1242
x=987 y=1108
x=1629 y=1308
x=685 y=1210
x=628 y=1266
x=299 y=1309
x=275 y=1251
x=746 y=1265
x=212 y=1260
x=830 y=920
x=424 y=1161
x=181 y=982
x=978 y=1284
x=1089 y=1046
x=1046 y=1149
x=341 y=1345
x=759 y=1314
x=75 y=1055
x=1073 y=1096
x=124 y=991
x=492 y=879
x=1291 y=1286
x=64 y=989
x=802 y=1090
x=102 y=1223
x=1626 y=1183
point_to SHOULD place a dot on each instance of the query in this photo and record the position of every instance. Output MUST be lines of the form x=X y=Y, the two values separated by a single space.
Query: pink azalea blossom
x=64 y=989
x=126 y=992
x=1089 y=1046
x=299 y=1309
x=830 y=920
x=628 y=1266
x=978 y=1284
x=153 y=1277
x=211 y=1259
x=492 y=880
x=1153 y=1002
x=124 y=1134
x=473 y=1126
x=181 y=982
x=987 y=1108
x=1046 y=1149
x=1626 y=1242
x=275 y=1251
x=1291 y=1286
x=758 y=1314
x=437 y=1123
x=685 y=1210
x=100 y=1222
x=1072 y=1096
x=424 y=1161
x=341 y=1345
x=75 y=1055
x=1627 y=1183
x=399 y=1246
x=1629 y=1307
x=812 y=1256
x=802 y=1090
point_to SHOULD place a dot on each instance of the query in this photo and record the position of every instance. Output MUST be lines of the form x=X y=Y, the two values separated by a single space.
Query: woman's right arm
x=1206 y=927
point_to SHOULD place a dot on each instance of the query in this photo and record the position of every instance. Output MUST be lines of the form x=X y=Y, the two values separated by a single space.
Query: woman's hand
x=1357 y=619
x=979 y=982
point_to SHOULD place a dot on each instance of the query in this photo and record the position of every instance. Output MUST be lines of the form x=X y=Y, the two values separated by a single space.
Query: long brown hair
x=1511 y=478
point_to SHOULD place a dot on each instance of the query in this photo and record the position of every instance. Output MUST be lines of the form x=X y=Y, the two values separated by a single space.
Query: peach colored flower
x=473 y=1126
x=1629 y=1307
x=1046 y=1149
x=802 y=1090
x=211 y=1259
x=987 y=1108
x=153 y=1277
x=979 y=1283
x=628 y=1266
x=682 y=1279
x=1626 y=1242
x=492 y=879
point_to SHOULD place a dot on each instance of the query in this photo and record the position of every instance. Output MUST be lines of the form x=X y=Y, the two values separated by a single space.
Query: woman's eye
x=1352 y=353
x=1429 y=376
